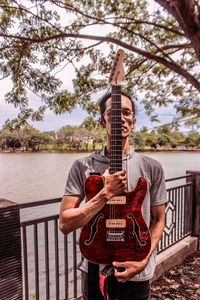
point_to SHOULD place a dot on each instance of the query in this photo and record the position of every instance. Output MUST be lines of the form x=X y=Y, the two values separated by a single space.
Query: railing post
x=10 y=252
x=196 y=202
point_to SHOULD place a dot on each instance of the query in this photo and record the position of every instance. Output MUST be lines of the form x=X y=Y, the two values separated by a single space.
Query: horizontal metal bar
x=179 y=186
x=78 y=298
x=38 y=203
x=171 y=244
x=177 y=178
x=56 y=200
x=40 y=220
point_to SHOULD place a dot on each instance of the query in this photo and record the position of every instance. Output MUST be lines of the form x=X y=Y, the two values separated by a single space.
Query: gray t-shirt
x=136 y=165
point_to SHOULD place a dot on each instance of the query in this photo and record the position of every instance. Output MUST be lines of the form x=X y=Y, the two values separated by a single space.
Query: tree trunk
x=188 y=19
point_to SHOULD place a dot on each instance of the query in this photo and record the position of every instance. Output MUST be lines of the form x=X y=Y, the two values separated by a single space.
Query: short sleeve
x=75 y=181
x=158 y=193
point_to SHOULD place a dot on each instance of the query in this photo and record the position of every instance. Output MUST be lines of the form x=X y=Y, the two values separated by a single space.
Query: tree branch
x=16 y=73
x=168 y=47
x=133 y=21
x=169 y=64
x=184 y=12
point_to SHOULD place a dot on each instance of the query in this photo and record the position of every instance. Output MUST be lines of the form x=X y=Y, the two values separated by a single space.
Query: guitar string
x=116 y=116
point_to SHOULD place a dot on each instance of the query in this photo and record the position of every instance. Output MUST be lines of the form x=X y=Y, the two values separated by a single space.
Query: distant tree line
x=84 y=138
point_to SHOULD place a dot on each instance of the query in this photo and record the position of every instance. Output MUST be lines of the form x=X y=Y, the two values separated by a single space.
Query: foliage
x=72 y=138
x=10 y=139
x=27 y=138
x=137 y=138
x=182 y=281
x=162 y=48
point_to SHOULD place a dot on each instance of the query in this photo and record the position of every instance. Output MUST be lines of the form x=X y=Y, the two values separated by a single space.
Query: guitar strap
x=96 y=281
x=103 y=280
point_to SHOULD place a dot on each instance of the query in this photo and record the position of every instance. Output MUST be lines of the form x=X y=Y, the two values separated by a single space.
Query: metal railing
x=178 y=221
x=50 y=259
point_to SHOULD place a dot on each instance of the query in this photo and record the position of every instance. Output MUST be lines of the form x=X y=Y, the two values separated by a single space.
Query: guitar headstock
x=117 y=73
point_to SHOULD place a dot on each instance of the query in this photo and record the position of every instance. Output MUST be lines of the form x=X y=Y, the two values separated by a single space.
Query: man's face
x=128 y=122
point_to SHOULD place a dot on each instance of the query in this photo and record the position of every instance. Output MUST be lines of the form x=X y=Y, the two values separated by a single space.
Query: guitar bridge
x=115 y=236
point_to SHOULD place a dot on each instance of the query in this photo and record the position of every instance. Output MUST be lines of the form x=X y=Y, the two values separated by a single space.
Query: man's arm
x=132 y=268
x=73 y=216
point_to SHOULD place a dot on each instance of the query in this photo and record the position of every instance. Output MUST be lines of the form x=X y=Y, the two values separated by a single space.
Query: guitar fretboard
x=116 y=131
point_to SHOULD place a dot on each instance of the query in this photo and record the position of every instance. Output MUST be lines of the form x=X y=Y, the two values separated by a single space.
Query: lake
x=27 y=177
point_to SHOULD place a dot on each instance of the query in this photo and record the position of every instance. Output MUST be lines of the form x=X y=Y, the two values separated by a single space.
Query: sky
x=54 y=122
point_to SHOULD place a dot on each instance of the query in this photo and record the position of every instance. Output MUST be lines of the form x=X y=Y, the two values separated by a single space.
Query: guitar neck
x=116 y=130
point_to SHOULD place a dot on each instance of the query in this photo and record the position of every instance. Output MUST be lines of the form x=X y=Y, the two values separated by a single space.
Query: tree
x=164 y=130
x=162 y=48
x=163 y=140
x=10 y=139
x=66 y=134
x=193 y=139
x=137 y=140
x=150 y=140
x=71 y=135
x=187 y=14
x=33 y=138
x=93 y=131
x=177 y=138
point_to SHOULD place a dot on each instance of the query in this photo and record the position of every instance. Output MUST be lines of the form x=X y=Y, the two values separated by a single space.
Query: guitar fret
x=116 y=140
x=116 y=153
x=116 y=159
x=116 y=137
x=116 y=131
x=116 y=123
x=116 y=145
x=116 y=119
x=116 y=148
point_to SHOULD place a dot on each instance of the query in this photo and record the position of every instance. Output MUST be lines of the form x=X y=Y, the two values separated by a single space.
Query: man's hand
x=114 y=184
x=132 y=268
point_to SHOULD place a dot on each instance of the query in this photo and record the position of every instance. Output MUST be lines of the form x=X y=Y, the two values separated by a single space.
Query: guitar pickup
x=115 y=223
x=117 y=200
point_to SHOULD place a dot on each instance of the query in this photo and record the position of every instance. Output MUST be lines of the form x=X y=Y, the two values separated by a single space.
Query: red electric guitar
x=118 y=232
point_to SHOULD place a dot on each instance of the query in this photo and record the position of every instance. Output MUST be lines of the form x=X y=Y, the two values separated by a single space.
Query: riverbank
x=90 y=151
x=180 y=282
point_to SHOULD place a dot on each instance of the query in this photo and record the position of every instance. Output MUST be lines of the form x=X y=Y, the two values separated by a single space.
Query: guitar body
x=126 y=236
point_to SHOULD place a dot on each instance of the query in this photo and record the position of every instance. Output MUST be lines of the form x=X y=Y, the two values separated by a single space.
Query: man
x=133 y=281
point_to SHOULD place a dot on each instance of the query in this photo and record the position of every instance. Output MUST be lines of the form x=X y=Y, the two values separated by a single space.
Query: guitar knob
x=131 y=235
x=138 y=247
x=145 y=235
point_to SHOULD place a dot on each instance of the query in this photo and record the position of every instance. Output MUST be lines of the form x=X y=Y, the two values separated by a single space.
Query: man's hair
x=105 y=97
